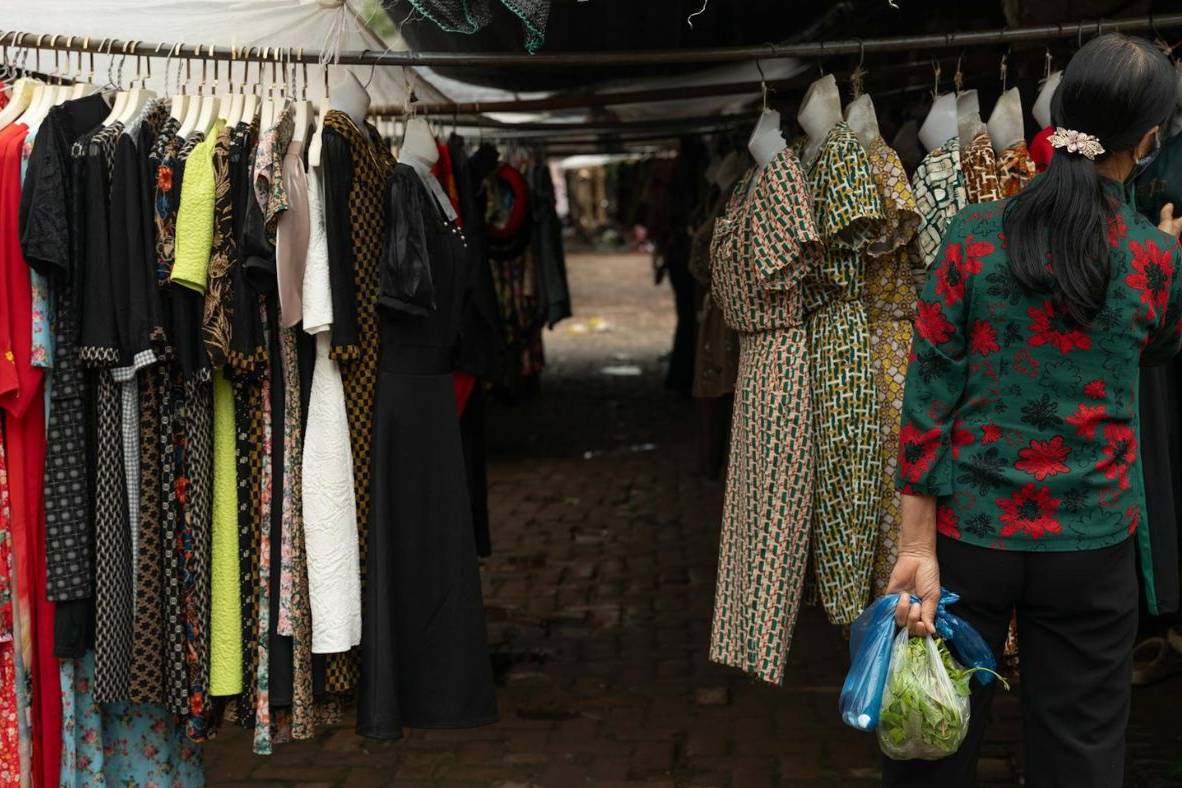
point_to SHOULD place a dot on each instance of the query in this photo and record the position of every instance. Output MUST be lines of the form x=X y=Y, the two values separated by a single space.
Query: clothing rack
x=888 y=74
x=716 y=55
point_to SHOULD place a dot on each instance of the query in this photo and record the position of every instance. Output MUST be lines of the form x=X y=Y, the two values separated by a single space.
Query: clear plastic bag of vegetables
x=925 y=702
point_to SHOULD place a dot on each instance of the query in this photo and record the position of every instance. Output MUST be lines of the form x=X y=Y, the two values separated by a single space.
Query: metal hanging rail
x=817 y=49
x=580 y=100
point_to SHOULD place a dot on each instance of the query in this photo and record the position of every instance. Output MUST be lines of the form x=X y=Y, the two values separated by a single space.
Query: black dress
x=424 y=653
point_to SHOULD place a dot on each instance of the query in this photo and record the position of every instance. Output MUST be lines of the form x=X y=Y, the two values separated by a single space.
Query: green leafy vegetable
x=925 y=704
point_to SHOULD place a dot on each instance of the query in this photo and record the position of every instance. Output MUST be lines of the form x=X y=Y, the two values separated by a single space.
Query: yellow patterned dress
x=849 y=216
x=764 y=242
x=890 y=304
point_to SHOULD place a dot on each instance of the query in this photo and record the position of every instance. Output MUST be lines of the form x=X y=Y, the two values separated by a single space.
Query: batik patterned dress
x=764 y=243
x=938 y=186
x=890 y=306
x=849 y=216
x=1015 y=169
x=978 y=162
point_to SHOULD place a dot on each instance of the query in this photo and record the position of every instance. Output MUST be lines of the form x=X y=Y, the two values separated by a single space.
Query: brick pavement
x=599 y=598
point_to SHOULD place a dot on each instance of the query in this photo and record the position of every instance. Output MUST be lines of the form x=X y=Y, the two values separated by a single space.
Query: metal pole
x=817 y=49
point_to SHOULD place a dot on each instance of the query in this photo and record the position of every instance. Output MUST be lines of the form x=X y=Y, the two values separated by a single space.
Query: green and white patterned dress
x=849 y=216
x=765 y=242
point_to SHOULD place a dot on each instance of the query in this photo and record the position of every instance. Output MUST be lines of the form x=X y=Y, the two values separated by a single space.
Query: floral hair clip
x=1077 y=142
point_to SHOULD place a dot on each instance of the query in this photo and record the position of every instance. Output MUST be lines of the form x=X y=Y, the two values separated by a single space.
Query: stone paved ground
x=599 y=597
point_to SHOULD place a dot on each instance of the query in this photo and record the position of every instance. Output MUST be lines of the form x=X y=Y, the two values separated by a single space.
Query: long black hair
x=1117 y=88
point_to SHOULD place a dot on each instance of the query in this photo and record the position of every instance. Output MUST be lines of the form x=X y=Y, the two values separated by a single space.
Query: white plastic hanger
x=304 y=112
x=194 y=106
x=137 y=98
x=84 y=86
x=180 y=99
x=209 y=104
x=43 y=93
x=1042 y=104
x=237 y=100
x=23 y=89
x=267 y=118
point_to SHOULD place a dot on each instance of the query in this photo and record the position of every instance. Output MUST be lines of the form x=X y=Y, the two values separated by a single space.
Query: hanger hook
x=936 y=71
x=304 y=70
x=1005 y=57
x=763 y=88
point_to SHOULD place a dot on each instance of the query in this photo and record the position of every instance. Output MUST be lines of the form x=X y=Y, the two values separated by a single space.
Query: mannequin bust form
x=820 y=111
x=862 y=118
x=968 y=116
x=766 y=139
x=418 y=145
x=348 y=95
x=1042 y=105
x=941 y=124
x=1005 y=122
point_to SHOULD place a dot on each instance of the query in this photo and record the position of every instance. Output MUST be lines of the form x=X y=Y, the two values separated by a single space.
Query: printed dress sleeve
x=936 y=378
x=846 y=204
x=1165 y=340
x=784 y=235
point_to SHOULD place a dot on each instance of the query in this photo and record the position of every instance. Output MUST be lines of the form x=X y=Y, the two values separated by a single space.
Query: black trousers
x=1077 y=619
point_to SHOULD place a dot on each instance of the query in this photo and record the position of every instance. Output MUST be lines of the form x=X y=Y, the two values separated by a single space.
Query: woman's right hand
x=916 y=573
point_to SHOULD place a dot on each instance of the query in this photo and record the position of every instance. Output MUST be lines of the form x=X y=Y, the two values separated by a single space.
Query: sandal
x=1154 y=660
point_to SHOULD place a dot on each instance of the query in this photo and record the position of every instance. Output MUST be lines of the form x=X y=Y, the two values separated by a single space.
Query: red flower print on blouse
x=1025 y=363
x=1095 y=390
x=1120 y=452
x=983 y=338
x=946 y=523
x=960 y=262
x=1049 y=327
x=1117 y=229
x=990 y=433
x=1031 y=511
x=1132 y=519
x=1044 y=458
x=931 y=323
x=917 y=451
x=1087 y=419
x=960 y=437
x=1153 y=270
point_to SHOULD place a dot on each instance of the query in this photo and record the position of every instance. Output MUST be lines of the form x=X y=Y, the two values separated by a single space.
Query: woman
x=1018 y=460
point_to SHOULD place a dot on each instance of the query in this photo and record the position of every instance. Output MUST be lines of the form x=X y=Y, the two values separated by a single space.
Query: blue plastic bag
x=871 y=636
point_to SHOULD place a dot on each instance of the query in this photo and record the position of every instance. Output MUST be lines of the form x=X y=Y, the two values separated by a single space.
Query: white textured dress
x=330 y=509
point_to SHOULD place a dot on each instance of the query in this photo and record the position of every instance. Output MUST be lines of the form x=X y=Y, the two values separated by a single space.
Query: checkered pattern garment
x=372 y=165
x=849 y=216
x=890 y=304
x=764 y=243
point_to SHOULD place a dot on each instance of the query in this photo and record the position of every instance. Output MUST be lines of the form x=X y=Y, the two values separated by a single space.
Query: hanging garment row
x=243 y=378
x=811 y=258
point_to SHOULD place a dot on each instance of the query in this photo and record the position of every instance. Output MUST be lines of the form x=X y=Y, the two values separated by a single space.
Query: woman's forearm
x=917 y=536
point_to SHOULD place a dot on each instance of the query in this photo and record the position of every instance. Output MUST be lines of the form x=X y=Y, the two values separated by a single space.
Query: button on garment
x=848 y=211
x=764 y=243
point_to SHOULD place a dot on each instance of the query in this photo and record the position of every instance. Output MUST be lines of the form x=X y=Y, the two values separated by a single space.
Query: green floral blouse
x=1023 y=424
